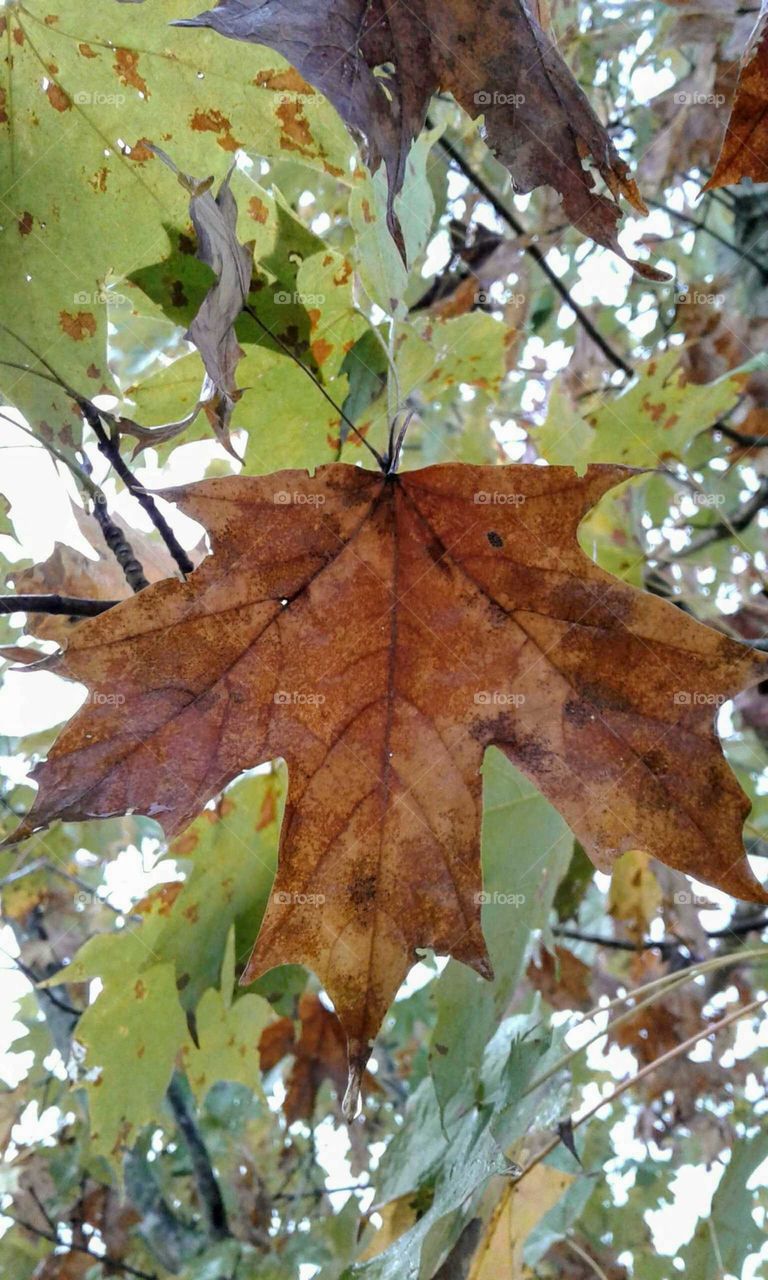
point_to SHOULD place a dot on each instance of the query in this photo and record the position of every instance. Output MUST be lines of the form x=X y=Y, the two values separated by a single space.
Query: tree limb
x=64 y=606
x=114 y=1264
x=535 y=252
x=203 y=1171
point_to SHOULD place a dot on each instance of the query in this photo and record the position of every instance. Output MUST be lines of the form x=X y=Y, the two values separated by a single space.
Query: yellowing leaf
x=521 y=1207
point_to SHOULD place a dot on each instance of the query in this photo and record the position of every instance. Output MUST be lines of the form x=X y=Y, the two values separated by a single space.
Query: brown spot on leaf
x=368 y=213
x=139 y=989
x=215 y=122
x=258 y=210
x=140 y=152
x=86 y=51
x=295 y=133
x=25 y=223
x=288 y=81
x=58 y=99
x=127 y=71
x=78 y=325
x=99 y=180
x=268 y=811
x=321 y=350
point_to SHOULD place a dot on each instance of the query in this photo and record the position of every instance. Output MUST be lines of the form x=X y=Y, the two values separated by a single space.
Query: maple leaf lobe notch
x=367 y=632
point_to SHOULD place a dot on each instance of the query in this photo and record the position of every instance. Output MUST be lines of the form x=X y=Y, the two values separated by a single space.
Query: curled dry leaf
x=380 y=63
x=379 y=633
x=213 y=329
x=744 y=152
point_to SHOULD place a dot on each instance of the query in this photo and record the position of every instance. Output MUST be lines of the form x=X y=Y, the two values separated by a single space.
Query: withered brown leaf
x=379 y=633
x=380 y=61
x=744 y=153
x=319 y=1052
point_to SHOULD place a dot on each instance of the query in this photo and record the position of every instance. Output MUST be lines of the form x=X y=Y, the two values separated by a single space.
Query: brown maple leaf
x=379 y=632
x=380 y=61
x=744 y=153
x=320 y=1054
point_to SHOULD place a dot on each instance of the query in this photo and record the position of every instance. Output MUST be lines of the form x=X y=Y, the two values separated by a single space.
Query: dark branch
x=105 y=1259
x=535 y=252
x=204 y=1175
x=111 y=451
x=121 y=548
x=667 y=946
x=698 y=225
x=64 y=606
x=728 y=525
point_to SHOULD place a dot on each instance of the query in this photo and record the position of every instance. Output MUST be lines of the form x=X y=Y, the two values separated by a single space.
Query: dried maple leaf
x=744 y=152
x=380 y=61
x=320 y=1054
x=213 y=329
x=69 y=572
x=379 y=633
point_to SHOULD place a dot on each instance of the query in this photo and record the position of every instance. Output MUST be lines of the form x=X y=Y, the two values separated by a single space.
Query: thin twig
x=738 y=928
x=645 y=1071
x=63 y=606
x=585 y=1257
x=698 y=225
x=104 y=1258
x=111 y=450
x=535 y=252
x=728 y=526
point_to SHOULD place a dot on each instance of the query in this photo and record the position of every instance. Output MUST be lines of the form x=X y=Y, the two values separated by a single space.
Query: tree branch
x=739 y=928
x=645 y=1071
x=104 y=1258
x=111 y=451
x=535 y=252
x=698 y=225
x=64 y=606
x=204 y=1174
